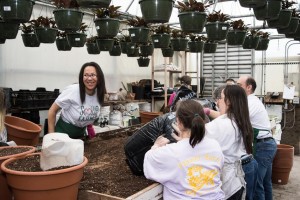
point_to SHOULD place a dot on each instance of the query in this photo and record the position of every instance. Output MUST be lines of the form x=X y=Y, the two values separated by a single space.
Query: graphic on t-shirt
x=88 y=113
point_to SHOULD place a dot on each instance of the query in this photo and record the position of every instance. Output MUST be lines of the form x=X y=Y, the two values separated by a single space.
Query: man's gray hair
x=217 y=92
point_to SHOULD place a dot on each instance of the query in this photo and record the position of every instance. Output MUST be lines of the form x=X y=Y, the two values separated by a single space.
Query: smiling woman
x=79 y=103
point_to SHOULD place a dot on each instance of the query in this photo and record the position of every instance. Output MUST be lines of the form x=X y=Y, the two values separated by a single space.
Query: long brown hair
x=237 y=103
x=191 y=115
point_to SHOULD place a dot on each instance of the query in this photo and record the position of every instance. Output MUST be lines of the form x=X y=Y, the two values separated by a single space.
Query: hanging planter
x=236 y=37
x=252 y=3
x=8 y=30
x=195 y=46
x=91 y=45
x=282 y=21
x=156 y=11
x=296 y=34
x=94 y=3
x=179 y=44
x=132 y=50
x=116 y=49
x=45 y=29
x=68 y=19
x=2 y=40
x=30 y=40
x=16 y=11
x=251 y=41
x=217 y=27
x=269 y=11
x=210 y=47
x=292 y=27
x=139 y=34
x=62 y=44
x=146 y=50
x=161 y=40
x=167 y=52
x=76 y=39
x=262 y=44
x=105 y=44
x=143 y=61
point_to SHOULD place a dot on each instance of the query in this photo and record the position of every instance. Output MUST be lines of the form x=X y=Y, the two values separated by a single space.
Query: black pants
x=238 y=195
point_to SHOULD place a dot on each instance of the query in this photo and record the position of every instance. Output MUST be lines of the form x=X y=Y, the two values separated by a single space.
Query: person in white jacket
x=190 y=168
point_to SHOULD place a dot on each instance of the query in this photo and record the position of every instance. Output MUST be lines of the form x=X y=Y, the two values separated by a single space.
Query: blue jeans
x=265 y=153
x=250 y=170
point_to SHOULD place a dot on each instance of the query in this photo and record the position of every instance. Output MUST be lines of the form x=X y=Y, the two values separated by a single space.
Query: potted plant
x=62 y=43
x=192 y=16
x=167 y=52
x=17 y=11
x=105 y=43
x=107 y=24
x=143 y=61
x=196 y=43
x=179 y=40
x=252 y=3
x=8 y=30
x=285 y=15
x=67 y=15
x=139 y=31
x=91 y=45
x=251 y=40
x=94 y=3
x=237 y=32
x=78 y=38
x=28 y=35
x=161 y=37
x=292 y=27
x=124 y=41
x=146 y=49
x=209 y=46
x=45 y=29
x=217 y=26
x=156 y=11
x=269 y=11
x=132 y=50
x=116 y=49
x=294 y=35
x=263 y=41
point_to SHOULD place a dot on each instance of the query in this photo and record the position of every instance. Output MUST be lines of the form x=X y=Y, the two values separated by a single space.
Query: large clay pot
x=148 y=116
x=282 y=164
x=44 y=185
x=4 y=189
x=22 y=131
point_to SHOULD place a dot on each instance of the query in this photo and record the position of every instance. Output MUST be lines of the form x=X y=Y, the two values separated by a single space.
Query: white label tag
x=224 y=28
x=132 y=47
x=97 y=27
x=6 y=8
x=132 y=35
x=156 y=40
x=77 y=39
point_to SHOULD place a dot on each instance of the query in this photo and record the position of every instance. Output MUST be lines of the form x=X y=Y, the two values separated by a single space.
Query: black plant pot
x=156 y=11
x=293 y=25
x=124 y=47
x=105 y=44
x=217 y=30
x=296 y=34
x=210 y=47
x=236 y=37
x=251 y=42
x=192 y=22
x=46 y=35
x=195 y=46
x=252 y=3
x=262 y=44
x=115 y=51
x=167 y=52
x=94 y=3
x=68 y=19
x=92 y=48
x=8 y=30
x=146 y=50
x=139 y=34
x=143 y=61
x=132 y=52
x=107 y=27
x=62 y=44
x=30 y=40
x=161 y=40
x=19 y=10
x=139 y=92
x=282 y=21
x=2 y=40
x=269 y=11
x=179 y=44
x=76 y=39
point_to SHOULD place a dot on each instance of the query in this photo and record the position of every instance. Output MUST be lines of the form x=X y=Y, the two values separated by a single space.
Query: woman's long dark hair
x=237 y=102
x=191 y=115
x=101 y=88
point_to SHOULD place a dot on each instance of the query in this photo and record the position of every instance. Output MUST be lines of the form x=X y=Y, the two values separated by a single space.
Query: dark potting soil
x=12 y=151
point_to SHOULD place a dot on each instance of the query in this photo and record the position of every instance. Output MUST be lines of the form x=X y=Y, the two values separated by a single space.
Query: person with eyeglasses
x=79 y=103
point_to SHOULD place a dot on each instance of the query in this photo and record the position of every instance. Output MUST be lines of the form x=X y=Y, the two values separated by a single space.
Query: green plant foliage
x=195 y=38
x=44 y=22
x=217 y=16
x=262 y=34
x=137 y=22
x=61 y=34
x=110 y=12
x=191 y=6
x=176 y=33
x=161 y=29
x=285 y=4
x=238 y=25
x=27 y=28
x=65 y=3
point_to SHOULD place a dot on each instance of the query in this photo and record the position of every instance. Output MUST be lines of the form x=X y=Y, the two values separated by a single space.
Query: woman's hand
x=160 y=141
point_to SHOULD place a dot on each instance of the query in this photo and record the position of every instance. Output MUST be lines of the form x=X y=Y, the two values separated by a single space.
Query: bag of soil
x=142 y=140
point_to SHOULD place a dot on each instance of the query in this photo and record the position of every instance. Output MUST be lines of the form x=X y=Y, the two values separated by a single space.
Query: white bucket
x=133 y=109
x=115 y=118
x=145 y=107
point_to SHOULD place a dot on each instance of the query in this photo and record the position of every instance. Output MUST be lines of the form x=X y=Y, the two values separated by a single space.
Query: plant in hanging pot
x=252 y=3
x=269 y=11
x=16 y=11
x=263 y=41
x=28 y=35
x=139 y=31
x=105 y=43
x=116 y=49
x=107 y=24
x=94 y=3
x=124 y=41
x=132 y=50
x=251 y=40
x=156 y=11
x=285 y=15
x=146 y=49
x=91 y=45
x=45 y=29
x=179 y=40
x=167 y=52
x=143 y=61
x=161 y=37
x=62 y=43
x=217 y=26
x=293 y=25
x=192 y=15
x=237 y=32
x=67 y=15
x=8 y=30
x=77 y=38
x=210 y=46
x=196 y=43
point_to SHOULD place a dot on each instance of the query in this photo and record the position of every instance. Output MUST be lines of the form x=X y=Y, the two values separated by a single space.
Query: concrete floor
x=290 y=191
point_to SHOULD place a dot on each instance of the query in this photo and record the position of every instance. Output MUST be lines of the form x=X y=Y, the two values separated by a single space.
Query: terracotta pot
x=22 y=131
x=44 y=185
x=282 y=164
x=148 y=116
x=4 y=189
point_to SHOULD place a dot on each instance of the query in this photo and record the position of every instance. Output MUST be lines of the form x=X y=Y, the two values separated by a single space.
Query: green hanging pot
x=30 y=40
x=156 y=11
x=146 y=50
x=62 y=44
x=76 y=39
x=139 y=34
x=16 y=11
x=132 y=51
x=94 y=3
x=296 y=34
x=2 y=40
x=124 y=47
x=192 y=22
x=107 y=27
x=210 y=47
x=282 y=21
x=105 y=44
x=115 y=51
x=167 y=52
x=8 y=30
x=293 y=25
x=46 y=35
x=251 y=42
x=252 y=3
x=92 y=48
x=195 y=46
x=161 y=40
x=236 y=37
x=68 y=19
x=217 y=31
x=269 y=11
x=179 y=44
x=143 y=61
x=262 y=44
